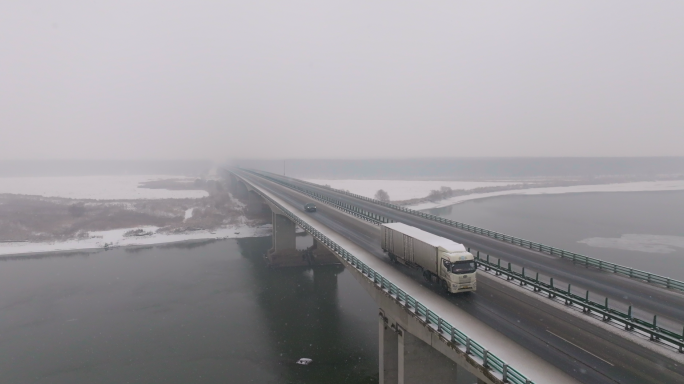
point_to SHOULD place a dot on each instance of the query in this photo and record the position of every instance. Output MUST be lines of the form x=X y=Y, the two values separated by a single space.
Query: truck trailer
x=442 y=259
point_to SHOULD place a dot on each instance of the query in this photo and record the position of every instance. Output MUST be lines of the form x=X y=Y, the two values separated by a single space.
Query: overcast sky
x=220 y=79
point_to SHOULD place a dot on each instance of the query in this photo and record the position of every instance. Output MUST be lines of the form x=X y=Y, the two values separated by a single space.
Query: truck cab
x=457 y=270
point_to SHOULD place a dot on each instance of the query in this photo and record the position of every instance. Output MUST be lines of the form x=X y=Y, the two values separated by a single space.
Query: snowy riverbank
x=405 y=189
x=641 y=186
x=125 y=187
x=115 y=238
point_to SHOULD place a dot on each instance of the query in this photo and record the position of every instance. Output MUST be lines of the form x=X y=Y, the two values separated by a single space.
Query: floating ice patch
x=638 y=242
x=304 y=361
x=188 y=214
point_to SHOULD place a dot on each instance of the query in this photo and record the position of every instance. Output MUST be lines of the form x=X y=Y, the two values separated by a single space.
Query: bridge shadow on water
x=320 y=313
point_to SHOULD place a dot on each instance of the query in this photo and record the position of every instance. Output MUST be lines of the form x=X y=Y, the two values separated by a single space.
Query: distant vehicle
x=448 y=261
x=310 y=207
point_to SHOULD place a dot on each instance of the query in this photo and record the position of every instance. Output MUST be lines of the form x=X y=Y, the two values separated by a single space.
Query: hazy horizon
x=471 y=168
x=176 y=79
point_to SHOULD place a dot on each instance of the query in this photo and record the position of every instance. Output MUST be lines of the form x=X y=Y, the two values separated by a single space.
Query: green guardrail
x=630 y=322
x=347 y=208
x=466 y=344
x=607 y=314
x=575 y=257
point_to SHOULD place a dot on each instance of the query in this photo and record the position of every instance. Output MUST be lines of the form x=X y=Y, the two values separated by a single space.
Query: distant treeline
x=479 y=168
x=13 y=168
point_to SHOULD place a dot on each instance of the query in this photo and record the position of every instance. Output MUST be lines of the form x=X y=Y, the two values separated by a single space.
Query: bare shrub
x=77 y=210
x=434 y=195
x=382 y=195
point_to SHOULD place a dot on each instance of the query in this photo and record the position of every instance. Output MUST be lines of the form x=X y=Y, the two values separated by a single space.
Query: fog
x=353 y=79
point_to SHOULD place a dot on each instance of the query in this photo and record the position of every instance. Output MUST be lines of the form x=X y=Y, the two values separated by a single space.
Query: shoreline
x=117 y=239
x=130 y=246
x=639 y=186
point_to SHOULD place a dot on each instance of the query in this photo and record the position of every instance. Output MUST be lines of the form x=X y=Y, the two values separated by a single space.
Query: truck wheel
x=427 y=275
x=445 y=286
x=392 y=258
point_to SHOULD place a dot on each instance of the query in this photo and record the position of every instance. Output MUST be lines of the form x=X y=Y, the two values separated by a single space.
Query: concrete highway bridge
x=539 y=315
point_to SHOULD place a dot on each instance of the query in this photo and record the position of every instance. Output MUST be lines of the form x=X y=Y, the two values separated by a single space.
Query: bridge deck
x=586 y=351
x=529 y=363
x=651 y=299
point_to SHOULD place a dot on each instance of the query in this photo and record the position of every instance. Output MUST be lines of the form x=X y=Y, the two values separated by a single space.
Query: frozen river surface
x=643 y=230
x=187 y=313
x=96 y=187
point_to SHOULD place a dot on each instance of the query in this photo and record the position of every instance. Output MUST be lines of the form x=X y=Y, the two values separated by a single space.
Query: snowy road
x=587 y=352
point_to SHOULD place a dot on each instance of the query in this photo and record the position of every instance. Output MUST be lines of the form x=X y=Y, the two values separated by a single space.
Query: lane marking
x=569 y=342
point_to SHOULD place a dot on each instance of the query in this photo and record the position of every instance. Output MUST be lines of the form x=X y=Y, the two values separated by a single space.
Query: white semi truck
x=447 y=261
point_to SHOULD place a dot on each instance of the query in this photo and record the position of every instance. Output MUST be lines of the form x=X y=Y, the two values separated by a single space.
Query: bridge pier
x=406 y=359
x=284 y=252
x=241 y=190
x=284 y=236
x=232 y=179
x=420 y=363
x=321 y=255
x=255 y=203
x=388 y=351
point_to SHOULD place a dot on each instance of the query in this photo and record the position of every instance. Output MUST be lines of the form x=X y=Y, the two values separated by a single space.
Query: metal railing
x=630 y=322
x=607 y=314
x=464 y=343
x=347 y=208
x=575 y=257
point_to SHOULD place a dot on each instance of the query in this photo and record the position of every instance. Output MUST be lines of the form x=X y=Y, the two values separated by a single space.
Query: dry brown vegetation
x=35 y=218
x=446 y=192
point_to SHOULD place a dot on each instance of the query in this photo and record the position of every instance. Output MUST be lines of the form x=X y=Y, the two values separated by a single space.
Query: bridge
x=539 y=315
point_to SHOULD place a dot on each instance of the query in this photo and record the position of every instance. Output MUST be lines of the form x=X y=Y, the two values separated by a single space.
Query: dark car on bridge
x=310 y=207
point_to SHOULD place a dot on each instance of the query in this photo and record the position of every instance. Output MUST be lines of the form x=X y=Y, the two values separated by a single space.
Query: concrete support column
x=284 y=252
x=322 y=255
x=255 y=203
x=241 y=189
x=232 y=180
x=283 y=233
x=420 y=363
x=388 y=353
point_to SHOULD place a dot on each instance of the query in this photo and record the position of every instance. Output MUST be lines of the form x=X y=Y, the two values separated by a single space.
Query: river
x=206 y=312
x=642 y=230
x=211 y=312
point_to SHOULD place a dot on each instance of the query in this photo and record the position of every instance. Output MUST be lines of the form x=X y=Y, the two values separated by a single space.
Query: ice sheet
x=642 y=186
x=95 y=187
x=638 y=242
x=404 y=189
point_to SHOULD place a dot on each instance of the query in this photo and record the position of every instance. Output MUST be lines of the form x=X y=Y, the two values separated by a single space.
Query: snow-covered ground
x=641 y=186
x=638 y=242
x=115 y=238
x=188 y=214
x=95 y=187
x=405 y=189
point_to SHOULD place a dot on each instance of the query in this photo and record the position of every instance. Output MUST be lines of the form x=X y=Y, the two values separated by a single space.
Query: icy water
x=643 y=230
x=193 y=313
